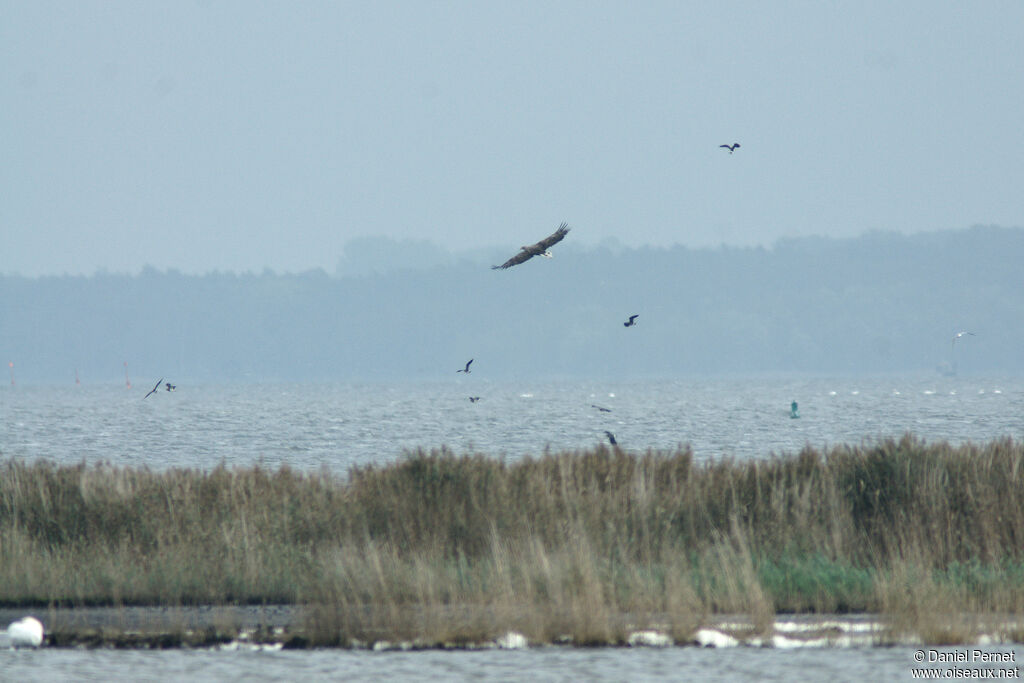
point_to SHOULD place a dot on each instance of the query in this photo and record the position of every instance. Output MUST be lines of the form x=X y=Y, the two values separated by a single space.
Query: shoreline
x=284 y=627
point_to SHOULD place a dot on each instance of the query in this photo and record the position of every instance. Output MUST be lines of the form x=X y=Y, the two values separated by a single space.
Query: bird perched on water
x=611 y=438
x=631 y=321
x=538 y=249
x=155 y=387
x=465 y=369
x=732 y=148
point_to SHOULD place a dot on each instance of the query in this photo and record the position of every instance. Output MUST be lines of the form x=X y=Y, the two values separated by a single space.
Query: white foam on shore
x=842 y=626
x=246 y=646
x=784 y=634
x=709 y=637
x=513 y=640
x=649 y=639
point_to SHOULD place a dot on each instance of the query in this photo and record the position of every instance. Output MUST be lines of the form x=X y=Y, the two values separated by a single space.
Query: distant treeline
x=880 y=303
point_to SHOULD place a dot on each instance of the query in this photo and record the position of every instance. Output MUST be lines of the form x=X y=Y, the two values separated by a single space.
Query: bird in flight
x=465 y=369
x=603 y=410
x=155 y=387
x=538 y=249
x=474 y=399
x=170 y=387
x=960 y=334
x=611 y=438
x=631 y=321
x=732 y=148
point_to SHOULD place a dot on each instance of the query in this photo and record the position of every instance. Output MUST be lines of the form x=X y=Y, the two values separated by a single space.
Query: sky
x=240 y=136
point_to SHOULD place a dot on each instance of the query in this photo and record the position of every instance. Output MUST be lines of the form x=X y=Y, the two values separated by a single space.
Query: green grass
x=583 y=544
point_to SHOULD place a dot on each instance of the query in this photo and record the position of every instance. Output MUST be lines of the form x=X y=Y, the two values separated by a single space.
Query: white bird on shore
x=27 y=632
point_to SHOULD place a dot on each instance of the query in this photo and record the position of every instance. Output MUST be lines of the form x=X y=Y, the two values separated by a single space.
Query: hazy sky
x=243 y=135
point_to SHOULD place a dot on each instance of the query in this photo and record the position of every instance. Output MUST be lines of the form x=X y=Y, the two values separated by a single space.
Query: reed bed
x=579 y=546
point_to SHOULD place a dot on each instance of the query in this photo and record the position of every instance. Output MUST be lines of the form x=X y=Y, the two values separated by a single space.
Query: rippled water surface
x=339 y=425
x=542 y=664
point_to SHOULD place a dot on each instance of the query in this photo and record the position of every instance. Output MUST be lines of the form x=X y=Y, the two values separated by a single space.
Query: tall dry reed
x=580 y=544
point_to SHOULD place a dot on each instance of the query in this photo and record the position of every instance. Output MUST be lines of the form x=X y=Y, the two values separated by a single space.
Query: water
x=340 y=425
x=337 y=426
x=541 y=664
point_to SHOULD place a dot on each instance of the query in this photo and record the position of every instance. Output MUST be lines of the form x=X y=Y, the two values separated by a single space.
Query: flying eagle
x=153 y=390
x=538 y=249
x=732 y=148
x=465 y=369
x=631 y=321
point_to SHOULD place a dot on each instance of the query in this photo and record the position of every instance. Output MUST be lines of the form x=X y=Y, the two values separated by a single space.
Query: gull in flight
x=732 y=148
x=960 y=334
x=465 y=369
x=631 y=321
x=155 y=387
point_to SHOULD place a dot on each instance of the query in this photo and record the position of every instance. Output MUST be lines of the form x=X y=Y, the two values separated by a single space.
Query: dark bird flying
x=611 y=438
x=170 y=387
x=538 y=249
x=153 y=390
x=465 y=369
x=603 y=410
x=631 y=321
x=474 y=399
x=732 y=148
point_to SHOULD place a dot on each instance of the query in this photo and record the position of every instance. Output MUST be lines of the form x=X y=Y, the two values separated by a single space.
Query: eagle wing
x=523 y=255
x=552 y=239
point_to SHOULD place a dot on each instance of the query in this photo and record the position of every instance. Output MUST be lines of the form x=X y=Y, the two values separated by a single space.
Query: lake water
x=539 y=664
x=335 y=426
x=340 y=425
